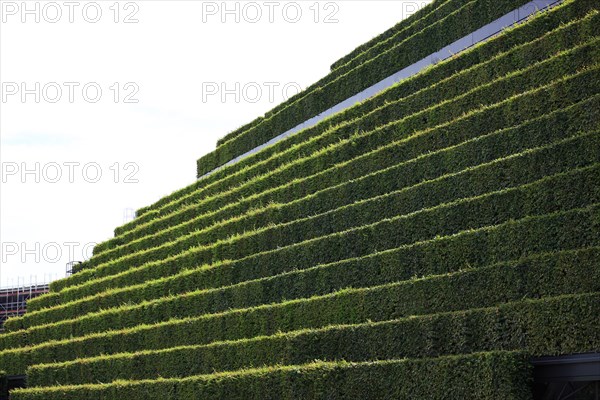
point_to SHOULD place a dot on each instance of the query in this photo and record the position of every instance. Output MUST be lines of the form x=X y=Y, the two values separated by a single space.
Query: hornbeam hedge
x=512 y=170
x=580 y=85
x=335 y=88
x=354 y=146
x=443 y=72
x=514 y=239
x=478 y=376
x=436 y=10
x=559 y=325
x=571 y=190
x=132 y=241
x=403 y=30
x=399 y=111
x=582 y=149
x=538 y=26
x=424 y=243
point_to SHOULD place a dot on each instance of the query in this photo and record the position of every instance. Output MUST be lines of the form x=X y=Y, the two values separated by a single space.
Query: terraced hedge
x=506 y=281
x=184 y=216
x=394 y=34
x=574 y=229
x=335 y=88
x=422 y=244
x=538 y=327
x=135 y=241
x=403 y=30
x=469 y=182
x=476 y=376
x=570 y=190
x=380 y=119
x=434 y=11
x=481 y=53
x=381 y=184
x=579 y=146
x=580 y=85
x=293 y=212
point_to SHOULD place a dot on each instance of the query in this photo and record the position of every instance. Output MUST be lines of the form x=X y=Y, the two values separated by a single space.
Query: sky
x=105 y=106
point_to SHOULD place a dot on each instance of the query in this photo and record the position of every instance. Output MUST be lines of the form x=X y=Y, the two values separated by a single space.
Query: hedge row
x=357 y=145
x=576 y=60
x=521 y=107
x=335 y=201
x=399 y=111
x=403 y=30
x=471 y=377
x=539 y=327
x=435 y=11
x=177 y=282
x=409 y=26
x=393 y=204
x=474 y=249
x=418 y=32
x=533 y=277
x=515 y=37
x=447 y=69
x=521 y=172
x=469 y=182
x=144 y=242
x=583 y=148
x=335 y=88
x=470 y=322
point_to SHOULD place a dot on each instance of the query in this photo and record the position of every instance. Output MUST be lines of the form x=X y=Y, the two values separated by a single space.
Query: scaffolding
x=13 y=301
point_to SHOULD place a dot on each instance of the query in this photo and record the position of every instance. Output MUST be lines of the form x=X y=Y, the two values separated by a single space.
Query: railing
x=72 y=267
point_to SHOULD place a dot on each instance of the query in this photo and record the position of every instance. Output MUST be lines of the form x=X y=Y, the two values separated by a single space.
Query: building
x=436 y=237
x=13 y=301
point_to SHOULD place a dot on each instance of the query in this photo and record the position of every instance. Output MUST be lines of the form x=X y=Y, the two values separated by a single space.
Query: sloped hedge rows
x=468 y=377
x=335 y=88
x=473 y=249
x=402 y=203
x=413 y=27
x=539 y=327
x=538 y=276
x=407 y=103
x=494 y=259
x=427 y=40
x=578 y=87
x=310 y=167
x=580 y=149
x=548 y=195
x=469 y=182
x=141 y=243
x=408 y=114
x=483 y=52
x=587 y=54
x=520 y=35
x=409 y=27
x=435 y=11
x=403 y=30
x=428 y=171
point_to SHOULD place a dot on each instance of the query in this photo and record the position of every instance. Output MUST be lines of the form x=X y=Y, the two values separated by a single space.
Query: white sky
x=174 y=50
